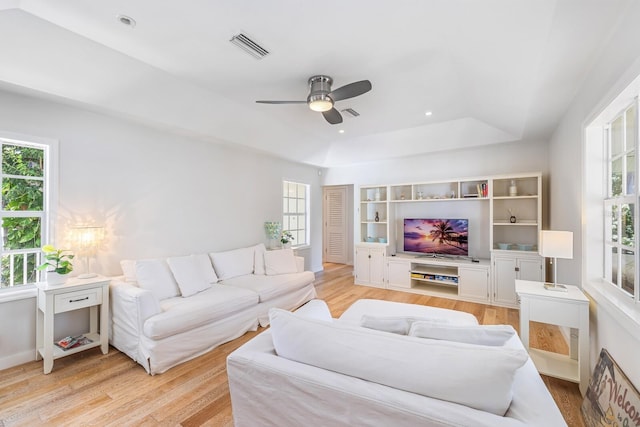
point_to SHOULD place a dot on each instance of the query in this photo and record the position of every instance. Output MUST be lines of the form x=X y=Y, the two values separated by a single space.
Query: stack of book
x=483 y=190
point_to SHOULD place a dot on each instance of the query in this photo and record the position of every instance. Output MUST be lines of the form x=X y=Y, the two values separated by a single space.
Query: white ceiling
x=491 y=71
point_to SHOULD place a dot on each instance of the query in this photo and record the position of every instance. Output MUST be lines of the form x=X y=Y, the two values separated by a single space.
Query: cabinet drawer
x=78 y=299
x=555 y=312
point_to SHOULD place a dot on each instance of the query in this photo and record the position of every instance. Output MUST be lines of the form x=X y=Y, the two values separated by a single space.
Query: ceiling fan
x=321 y=98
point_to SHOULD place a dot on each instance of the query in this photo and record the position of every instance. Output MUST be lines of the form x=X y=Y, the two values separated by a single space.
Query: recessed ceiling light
x=341 y=131
x=428 y=113
x=127 y=20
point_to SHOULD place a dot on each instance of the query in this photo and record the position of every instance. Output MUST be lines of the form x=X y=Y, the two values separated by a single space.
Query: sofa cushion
x=258 y=258
x=495 y=335
x=205 y=266
x=269 y=287
x=395 y=324
x=480 y=377
x=183 y=314
x=382 y=308
x=155 y=276
x=189 y=275
x=237 y=262
x=280 y=262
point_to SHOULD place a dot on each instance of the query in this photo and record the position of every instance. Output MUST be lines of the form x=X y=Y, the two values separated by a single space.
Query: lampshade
x=85 y=239
x=556 y=244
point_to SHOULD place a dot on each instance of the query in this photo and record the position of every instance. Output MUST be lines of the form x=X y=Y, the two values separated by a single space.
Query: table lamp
x=85 y=241
x=556 y=244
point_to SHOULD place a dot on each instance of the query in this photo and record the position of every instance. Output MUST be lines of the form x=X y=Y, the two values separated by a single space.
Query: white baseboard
x=17 y=359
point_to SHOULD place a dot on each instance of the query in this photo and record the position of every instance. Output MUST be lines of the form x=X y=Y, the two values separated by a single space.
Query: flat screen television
x=436 y=236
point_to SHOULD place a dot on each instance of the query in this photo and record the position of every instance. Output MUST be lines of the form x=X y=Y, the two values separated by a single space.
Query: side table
x=569 y=309
x=72 y=295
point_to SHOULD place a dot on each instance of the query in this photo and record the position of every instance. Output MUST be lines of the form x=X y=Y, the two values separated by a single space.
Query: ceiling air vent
x=351 y=112
x=249 y=46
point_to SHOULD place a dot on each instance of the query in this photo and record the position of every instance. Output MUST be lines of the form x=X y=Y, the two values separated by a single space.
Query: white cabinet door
x=376 y=267
x=369 y=266
x=362 y=265
x=473 y=283
x=504 y=273
x=507 y=269
x=530 y=269
x=398 y=273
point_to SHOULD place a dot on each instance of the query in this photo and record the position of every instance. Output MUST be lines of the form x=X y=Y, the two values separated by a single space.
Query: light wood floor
x=90 y=388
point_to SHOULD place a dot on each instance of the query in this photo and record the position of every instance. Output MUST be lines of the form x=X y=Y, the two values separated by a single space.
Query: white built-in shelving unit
x=507 y=209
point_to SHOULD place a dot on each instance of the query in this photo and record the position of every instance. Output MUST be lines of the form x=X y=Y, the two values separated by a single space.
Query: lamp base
x=87 y=275
x=555 y=287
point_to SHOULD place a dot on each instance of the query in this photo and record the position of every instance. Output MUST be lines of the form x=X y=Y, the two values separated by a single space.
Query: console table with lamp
x=88 y=290
x=557 y=304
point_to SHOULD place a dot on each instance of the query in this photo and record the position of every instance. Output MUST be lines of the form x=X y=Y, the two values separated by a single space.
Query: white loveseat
x=167 y=311
x=309 y=369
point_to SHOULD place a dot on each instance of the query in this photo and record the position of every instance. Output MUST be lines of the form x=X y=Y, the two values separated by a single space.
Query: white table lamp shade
x=556 y=244
x=85 y=241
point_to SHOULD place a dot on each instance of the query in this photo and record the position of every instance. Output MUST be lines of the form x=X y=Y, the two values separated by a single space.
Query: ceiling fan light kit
x=319 y=88
x=321 y=104
x=321 y=98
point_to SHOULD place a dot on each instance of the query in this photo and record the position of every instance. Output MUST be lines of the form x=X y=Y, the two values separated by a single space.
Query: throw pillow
x=493 y=335
x=258 y=261
x=205 y=266
x=188 y=274
x=480 y=377
x=237 y=262
x=155 y=276
x=394 y=324
x=280 y=262
x=315 y=309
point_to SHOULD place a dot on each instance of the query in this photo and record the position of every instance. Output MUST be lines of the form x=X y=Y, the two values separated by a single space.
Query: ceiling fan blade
x=281 y=102
x=332 y=116
x=351 y=90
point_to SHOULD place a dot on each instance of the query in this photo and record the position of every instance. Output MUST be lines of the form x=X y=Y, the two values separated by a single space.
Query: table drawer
x=77 y=299
x=555 y=312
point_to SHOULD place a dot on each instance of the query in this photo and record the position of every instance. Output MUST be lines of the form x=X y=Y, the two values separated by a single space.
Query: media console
x=446 y=277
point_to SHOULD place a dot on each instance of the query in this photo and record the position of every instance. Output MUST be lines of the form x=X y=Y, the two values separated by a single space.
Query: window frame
x=50 y=202
x=625 y=198
x=286 y=214
x=614 y=302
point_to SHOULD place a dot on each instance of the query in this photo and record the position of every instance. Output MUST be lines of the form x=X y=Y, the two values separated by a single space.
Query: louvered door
x=335 y=225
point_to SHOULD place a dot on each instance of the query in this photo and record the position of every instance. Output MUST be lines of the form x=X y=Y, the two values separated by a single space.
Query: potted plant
x=57 y=265
x=285 y=238
x=272 y=229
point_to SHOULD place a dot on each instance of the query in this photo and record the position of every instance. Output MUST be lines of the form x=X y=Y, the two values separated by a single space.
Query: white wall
x=479 y=161
x=157 y=193
x=612 y=72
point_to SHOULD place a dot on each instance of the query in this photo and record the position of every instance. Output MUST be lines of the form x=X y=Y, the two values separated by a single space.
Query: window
x=295 y=211
x=24 y=215
x=620 y=211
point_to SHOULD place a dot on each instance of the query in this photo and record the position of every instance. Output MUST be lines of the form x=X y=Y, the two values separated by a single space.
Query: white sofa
x=309 y=369
x=167 y=311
